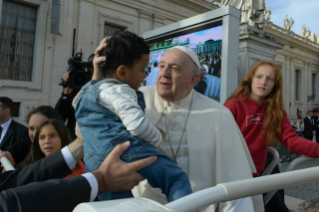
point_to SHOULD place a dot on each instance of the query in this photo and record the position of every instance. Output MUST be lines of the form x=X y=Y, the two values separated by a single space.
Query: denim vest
x=101 y=129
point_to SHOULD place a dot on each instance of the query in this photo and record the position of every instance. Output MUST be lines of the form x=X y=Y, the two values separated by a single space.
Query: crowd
x=180 y=141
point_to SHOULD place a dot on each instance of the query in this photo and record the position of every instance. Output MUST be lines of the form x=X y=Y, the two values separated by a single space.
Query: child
x=51 y=136
x=258 y=108
x=111 y=111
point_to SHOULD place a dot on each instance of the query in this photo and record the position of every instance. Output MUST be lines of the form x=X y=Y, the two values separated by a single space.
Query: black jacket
x=20 y=150
x=67 y=112
x=23 y=189
x=309 y=128
x=16 y=132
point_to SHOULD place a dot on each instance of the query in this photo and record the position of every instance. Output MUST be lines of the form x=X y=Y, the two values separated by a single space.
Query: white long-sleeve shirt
x=122 y=100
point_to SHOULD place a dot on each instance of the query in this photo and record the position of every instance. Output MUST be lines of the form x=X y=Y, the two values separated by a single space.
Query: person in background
x=64 y=104
x=316 y=125
x=11 y=131
x=258 y=109
x=51 y=136
x=309 y=130
x=20 y=150
x=201 y=86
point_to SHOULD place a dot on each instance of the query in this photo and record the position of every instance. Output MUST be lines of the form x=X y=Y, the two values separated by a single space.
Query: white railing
x=219 y=193
x=244 y=188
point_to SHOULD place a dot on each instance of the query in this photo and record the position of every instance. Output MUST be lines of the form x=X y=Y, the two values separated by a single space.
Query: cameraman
x=64 y=104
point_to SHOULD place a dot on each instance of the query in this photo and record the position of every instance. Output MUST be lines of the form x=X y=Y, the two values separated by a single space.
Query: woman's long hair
x=36 y=153
x=273 y=107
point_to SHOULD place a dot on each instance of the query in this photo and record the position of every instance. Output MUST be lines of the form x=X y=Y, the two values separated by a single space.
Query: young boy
x=111 y=111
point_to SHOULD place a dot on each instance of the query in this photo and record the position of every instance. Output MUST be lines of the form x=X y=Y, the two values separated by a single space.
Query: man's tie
x=0 y=132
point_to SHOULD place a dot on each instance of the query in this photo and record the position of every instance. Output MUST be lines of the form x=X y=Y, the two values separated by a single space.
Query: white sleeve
x=93 y=183
x=244 y=204
x=68 y=157
x=123 y=100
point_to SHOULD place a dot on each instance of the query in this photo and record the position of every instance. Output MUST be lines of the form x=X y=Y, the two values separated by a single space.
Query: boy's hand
x=163 y=133
x=97 y=74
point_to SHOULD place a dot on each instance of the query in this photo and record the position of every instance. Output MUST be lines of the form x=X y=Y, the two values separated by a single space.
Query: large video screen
x=207 y=44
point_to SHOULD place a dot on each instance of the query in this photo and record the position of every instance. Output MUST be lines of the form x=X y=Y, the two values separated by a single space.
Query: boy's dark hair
x=6 y=102
x=124 y=48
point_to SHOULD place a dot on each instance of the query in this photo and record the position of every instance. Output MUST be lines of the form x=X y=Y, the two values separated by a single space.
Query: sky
x=301 y=11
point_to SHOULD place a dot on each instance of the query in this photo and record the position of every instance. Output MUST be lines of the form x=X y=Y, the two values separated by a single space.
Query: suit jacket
x=309 y=128
x=316 y=122
x=52 y=195
x=20 y=150
x=52 y=167
x=224 y=156
x=15 y=133
x=23 y=189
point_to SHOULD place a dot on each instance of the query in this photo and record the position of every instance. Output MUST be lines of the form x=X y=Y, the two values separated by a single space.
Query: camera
x=79 y=75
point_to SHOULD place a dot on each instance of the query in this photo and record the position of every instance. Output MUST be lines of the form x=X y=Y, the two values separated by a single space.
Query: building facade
x=36 y=41
x=33 y=60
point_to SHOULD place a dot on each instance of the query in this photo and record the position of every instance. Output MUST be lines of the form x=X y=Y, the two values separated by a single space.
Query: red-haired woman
x=258 y=108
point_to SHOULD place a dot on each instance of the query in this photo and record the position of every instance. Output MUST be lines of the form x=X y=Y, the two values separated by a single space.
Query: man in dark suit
x=23 y=189
x=316 y=123
x=309 y=129
x=10 y=131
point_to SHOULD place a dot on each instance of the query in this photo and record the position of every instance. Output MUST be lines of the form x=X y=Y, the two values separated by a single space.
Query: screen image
x=207 y=44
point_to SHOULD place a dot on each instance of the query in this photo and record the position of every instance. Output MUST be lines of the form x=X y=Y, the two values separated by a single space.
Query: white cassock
x=212 y=150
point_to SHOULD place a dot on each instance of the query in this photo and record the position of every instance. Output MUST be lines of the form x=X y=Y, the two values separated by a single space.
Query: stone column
x=292 y=89
x=309 y=87
x=305 y=83
x=145 y=21
x=254 y=45
x=285 y=89
x=158 y=21
x=61 y=52
x=85 y=28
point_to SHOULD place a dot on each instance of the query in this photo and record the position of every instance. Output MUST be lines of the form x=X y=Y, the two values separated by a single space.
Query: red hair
x=274 y=105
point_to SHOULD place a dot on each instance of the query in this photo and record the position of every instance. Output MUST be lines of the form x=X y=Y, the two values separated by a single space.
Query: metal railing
x=269 y=169
x=244 y=188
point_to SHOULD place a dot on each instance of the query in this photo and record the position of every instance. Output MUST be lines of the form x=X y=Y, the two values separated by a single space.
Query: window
x=298 y=85
x=16 y=109
x=17 y=32
x=314 y=87
x=109 y=30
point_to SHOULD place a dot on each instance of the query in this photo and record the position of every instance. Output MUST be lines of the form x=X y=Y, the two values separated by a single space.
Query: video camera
x=79 y=75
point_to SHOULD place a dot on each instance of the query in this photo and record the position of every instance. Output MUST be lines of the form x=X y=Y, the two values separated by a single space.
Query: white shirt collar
x=179 y=104
x=309 y=117
x=6 y=125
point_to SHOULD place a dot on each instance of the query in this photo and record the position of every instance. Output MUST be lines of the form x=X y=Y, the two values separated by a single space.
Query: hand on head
x=114 y=175
x=97 y=74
